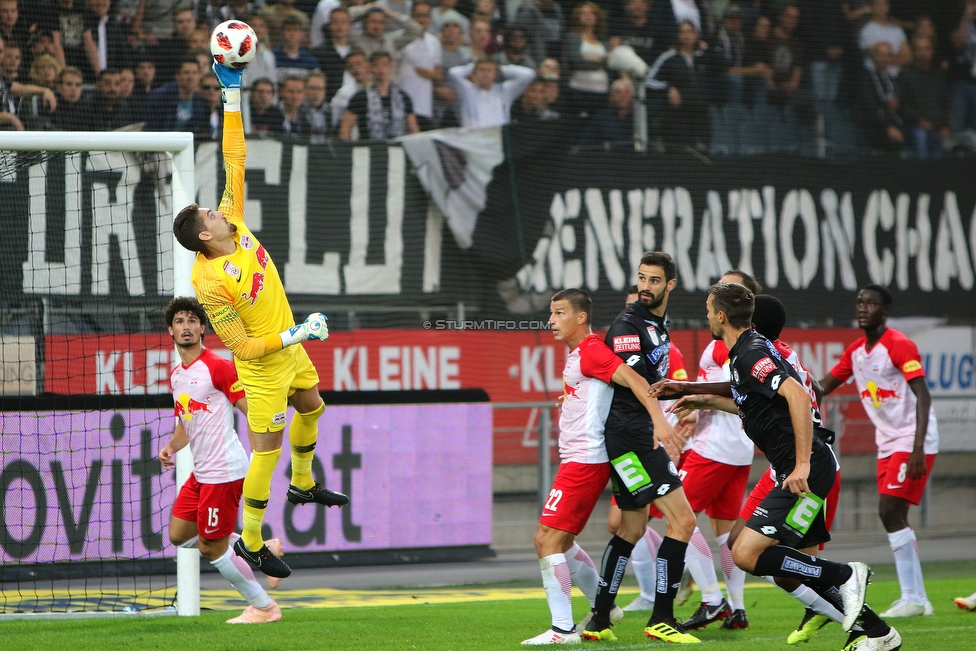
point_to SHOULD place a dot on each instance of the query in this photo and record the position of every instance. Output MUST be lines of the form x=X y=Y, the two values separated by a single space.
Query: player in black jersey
x=641 y=451
x=778 y=417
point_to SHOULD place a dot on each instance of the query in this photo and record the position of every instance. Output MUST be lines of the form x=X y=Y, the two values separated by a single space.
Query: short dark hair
x=284 y=82
x=749 y=281
x=187 y=61
x=291 y=20
x=663 y=260
x=633 y=290
x=735 y=300
x=355 y=52
x=377 y=55
x=768 y=316
x=882 y=291
x=106 y=72
x=187 y=228
x=184 y=304
x=262 y=81
x=578 y=299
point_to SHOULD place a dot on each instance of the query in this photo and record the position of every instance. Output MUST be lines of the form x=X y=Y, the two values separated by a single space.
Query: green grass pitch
x=489 y=625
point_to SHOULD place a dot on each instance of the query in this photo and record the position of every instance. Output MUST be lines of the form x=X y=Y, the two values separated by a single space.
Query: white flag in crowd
x=455 y=167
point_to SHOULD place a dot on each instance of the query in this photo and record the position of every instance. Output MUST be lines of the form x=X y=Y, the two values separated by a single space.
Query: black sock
x=831 y=595
x=670 y=566
x=781 y=560
x=612 y=570
x=873 y=625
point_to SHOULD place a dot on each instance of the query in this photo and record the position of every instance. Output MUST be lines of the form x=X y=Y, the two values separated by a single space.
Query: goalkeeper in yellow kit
x=238 y=285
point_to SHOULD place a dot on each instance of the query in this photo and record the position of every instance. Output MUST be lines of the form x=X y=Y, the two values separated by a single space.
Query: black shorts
x=795 y=520
x=640 y=477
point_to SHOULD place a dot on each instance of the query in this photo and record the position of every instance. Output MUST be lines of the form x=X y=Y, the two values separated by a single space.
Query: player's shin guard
x=558 y=585
x=701 y=564
x=257 y=490
x=583 y=572
x=644 y=563
x=781 y=560
x=816 y=602
x=612 y=572
x=873 y=625
x=904 y=547
x=735 y=579
x=670 y=567
x=248 y=587
x=303 y=434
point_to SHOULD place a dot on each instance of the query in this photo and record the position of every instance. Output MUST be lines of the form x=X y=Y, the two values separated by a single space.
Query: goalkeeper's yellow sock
x=257 y=490
x=303 y=434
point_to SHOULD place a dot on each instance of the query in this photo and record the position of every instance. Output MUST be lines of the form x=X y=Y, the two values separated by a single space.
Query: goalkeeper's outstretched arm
x=233 y=143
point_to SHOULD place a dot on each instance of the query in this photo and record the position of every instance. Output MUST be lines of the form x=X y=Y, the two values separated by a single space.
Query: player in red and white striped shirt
x=205 y=391
x=584 y=468
x=888 y=372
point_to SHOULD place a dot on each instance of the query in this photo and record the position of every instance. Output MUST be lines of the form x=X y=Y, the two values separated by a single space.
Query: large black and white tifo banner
x=524 y=217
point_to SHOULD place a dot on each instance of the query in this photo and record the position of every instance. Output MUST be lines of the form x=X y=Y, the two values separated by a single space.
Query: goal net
x=87 y=256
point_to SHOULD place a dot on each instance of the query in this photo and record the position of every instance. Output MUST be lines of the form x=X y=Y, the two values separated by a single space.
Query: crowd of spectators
x=672 y=71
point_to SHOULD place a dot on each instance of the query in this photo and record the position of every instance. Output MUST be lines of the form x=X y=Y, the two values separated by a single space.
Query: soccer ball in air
x=233 y=44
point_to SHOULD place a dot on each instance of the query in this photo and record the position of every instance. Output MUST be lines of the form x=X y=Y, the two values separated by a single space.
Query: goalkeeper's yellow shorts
x=270 y=381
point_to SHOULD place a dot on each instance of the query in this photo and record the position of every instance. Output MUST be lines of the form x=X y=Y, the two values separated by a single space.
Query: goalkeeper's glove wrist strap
x=232 y=99
x=292 y=336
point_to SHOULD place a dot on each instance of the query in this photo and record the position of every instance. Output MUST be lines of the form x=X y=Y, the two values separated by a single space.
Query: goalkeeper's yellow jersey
x=242 y=292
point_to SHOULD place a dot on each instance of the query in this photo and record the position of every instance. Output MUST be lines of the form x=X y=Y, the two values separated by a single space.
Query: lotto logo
x=626 y=343
x=762 y=369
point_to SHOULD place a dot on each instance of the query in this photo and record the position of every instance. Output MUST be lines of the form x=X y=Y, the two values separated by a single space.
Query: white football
x=233 y=44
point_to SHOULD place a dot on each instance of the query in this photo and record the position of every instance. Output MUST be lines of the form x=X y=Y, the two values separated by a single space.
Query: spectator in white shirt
x=882 y=30
x=485 y=103
x=420 y=67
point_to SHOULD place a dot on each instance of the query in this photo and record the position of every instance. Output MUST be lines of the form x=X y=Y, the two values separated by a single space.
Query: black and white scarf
x=380 y=126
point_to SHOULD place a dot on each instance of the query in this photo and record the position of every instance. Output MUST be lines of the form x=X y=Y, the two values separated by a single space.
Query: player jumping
x=206 y=390
x=241 y=291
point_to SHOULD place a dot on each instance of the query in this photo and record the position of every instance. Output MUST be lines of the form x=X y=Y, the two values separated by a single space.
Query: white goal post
x=180 y=147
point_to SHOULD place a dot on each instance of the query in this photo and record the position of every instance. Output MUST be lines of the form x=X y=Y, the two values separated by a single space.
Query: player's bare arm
x=828 y=384
x=678 y=388
x=923 y=401
x=798 y=399
x=177 y=442
x=695 y=402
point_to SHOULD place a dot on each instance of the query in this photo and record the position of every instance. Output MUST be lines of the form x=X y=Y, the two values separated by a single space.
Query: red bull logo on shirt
x=262 y=256
x=257 y=284
x=878 y=395
x=571 y=390
x=186 y=407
